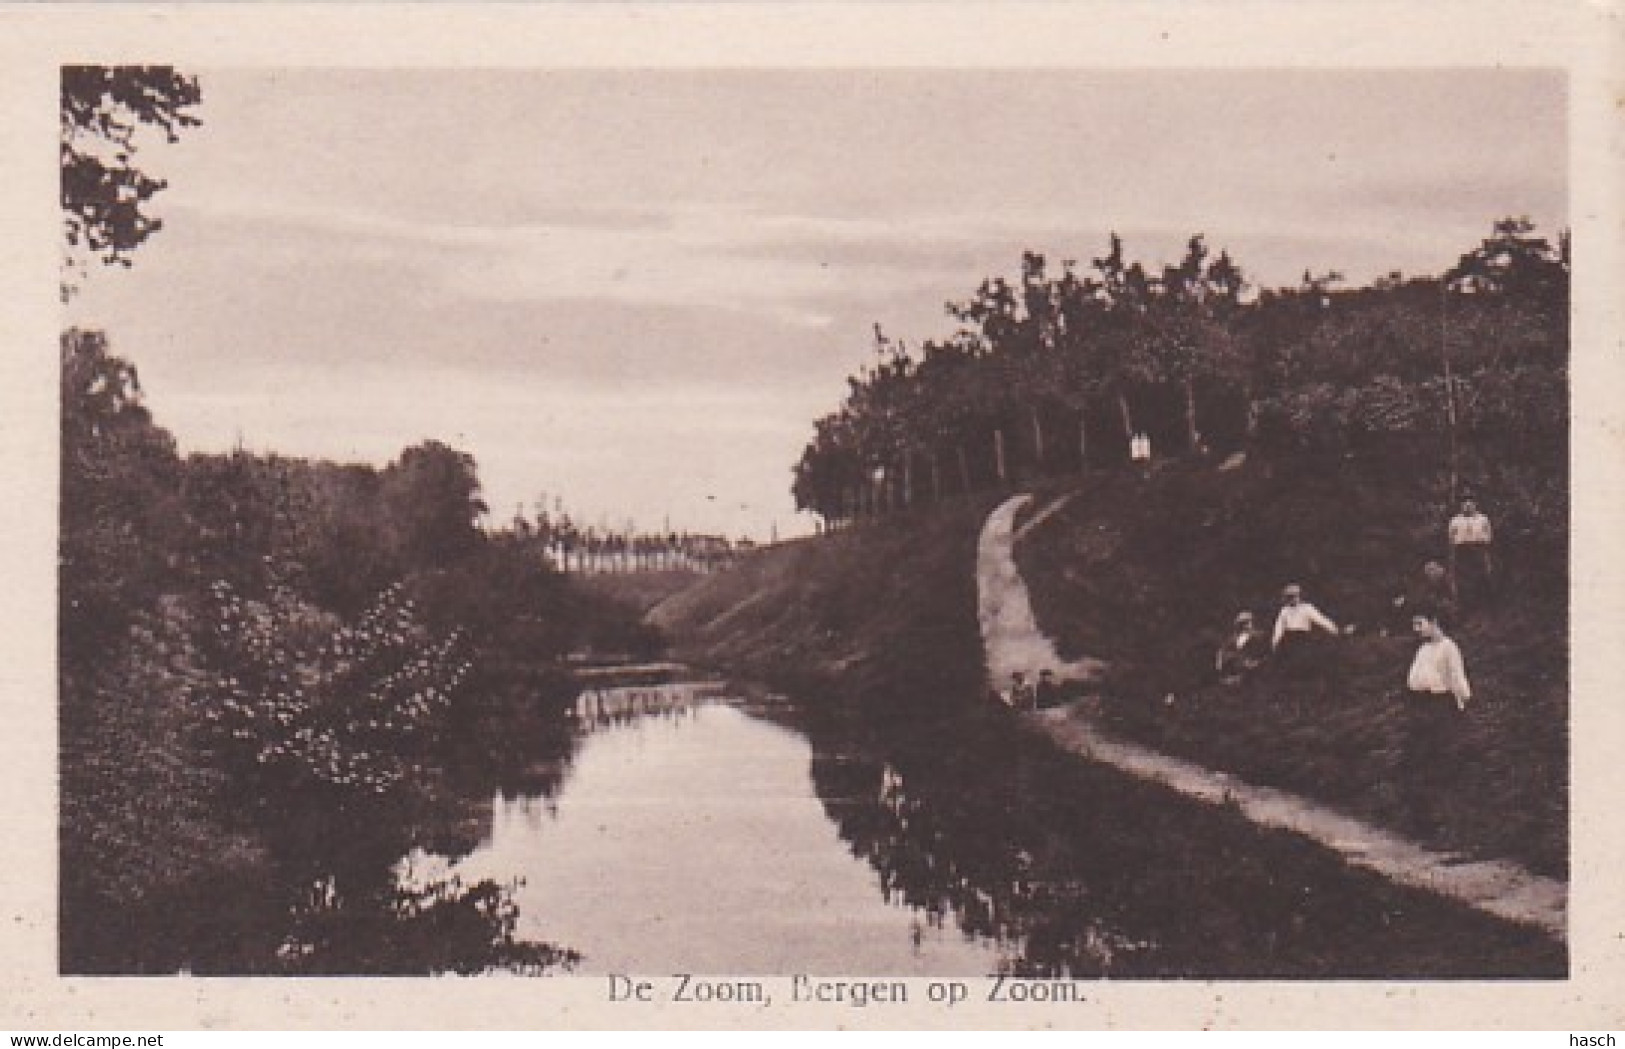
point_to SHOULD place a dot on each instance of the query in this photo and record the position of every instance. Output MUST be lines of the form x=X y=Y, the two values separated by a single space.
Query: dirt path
x=1012 y=641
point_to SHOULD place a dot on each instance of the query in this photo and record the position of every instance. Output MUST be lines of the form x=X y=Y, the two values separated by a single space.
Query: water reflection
x=612 y=707
x=688 y=828
x=689 y=837
x=1076 y=870
x=991 y=888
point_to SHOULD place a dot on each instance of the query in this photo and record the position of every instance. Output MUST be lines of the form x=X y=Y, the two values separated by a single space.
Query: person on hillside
x=1139 y=447
x=1048 y=692
x=1435 y=699
x=1021 y=695
x=1293 y=640
x=1431 y=588
x=1472 y=566
x=1243 y=650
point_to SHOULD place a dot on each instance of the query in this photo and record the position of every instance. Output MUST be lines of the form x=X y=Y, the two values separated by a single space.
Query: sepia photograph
x=816 y=534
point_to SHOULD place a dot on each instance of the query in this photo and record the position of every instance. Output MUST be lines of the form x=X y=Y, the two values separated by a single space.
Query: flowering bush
x=299 y=699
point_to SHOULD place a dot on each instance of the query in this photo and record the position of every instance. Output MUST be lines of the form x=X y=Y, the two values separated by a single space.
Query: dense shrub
x=301 y=701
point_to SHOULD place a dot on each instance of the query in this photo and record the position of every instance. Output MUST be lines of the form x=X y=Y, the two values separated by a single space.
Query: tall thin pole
x=1449 y=389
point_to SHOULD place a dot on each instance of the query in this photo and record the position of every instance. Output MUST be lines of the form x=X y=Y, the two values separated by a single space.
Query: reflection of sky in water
x=693 y=841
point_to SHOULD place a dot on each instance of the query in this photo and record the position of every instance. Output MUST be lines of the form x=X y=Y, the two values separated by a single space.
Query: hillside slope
x=639 y=591
x=889 y=605
x=1149 y=572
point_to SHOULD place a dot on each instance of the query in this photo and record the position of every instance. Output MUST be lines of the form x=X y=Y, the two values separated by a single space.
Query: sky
x=632 y=292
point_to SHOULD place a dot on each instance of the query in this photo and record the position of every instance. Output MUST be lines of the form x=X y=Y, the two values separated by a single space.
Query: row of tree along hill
x=1053 y=373
x=571 y=547
x=275 y=673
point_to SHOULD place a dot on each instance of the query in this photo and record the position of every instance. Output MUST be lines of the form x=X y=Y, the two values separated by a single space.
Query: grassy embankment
x=890 y=608
x=1148 y=573
x=637 y=591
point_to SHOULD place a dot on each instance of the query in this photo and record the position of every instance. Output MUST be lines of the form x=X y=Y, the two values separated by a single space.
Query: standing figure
x=1471 y=565
x=1294 y=638
x=1139 y=452
x=1436 y=695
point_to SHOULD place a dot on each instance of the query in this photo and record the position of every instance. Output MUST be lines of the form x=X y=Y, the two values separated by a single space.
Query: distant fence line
x=632 y=558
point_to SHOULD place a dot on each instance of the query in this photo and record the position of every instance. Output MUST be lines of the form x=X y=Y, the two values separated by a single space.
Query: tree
x=1126 y=294
x=1075 y=365
x=880 y=409
x=944 y=405
x=1037 y=376
x=104 y=195
x=120 y=489
x=995 y=316
x=101 y=397
x=1194 y=319
x=1018 y=328
x=432 y=496
x=1514 y=263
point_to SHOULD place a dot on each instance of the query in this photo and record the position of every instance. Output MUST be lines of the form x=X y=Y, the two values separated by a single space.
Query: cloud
x=707 y=256
x=792 y=269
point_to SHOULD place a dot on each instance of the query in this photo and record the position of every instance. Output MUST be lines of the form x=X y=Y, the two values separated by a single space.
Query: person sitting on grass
x=1243 y=651
x=1048 y=692
x=1021 y=695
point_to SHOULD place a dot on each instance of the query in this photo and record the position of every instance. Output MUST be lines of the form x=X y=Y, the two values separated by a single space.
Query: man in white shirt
x=1436 y=695
x=1471 y=566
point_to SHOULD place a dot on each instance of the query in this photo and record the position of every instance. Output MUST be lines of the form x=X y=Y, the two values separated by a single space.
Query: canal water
x=689 y=836
x=695 y=830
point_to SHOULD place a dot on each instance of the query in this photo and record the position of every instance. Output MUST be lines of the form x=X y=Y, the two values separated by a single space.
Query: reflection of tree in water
x=1077 y=871
x=518 y=738
x=359 y=908
x=339 y=904
x=597 y=709
x=396 y=927
x=345 y=908
x=1007 y=897
x=992 y=884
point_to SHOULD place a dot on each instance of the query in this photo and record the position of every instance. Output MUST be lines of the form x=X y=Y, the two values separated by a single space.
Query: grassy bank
x=1147 y=573
x=639 y=591
x=889 y=605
